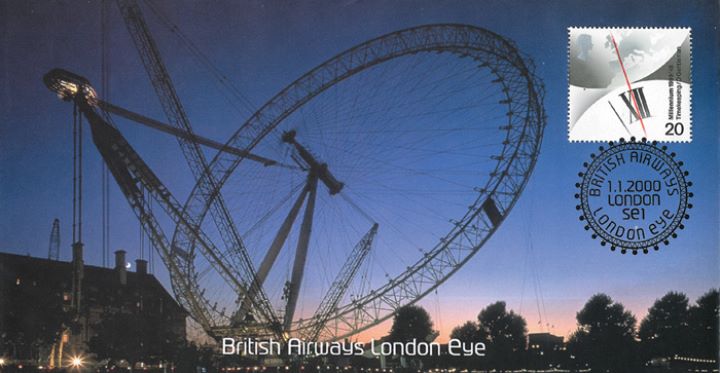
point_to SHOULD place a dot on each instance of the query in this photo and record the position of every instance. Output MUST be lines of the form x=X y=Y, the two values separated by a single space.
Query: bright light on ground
x=76 y=362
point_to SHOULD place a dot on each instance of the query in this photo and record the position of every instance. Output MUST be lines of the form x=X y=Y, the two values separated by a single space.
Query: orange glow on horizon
x=560 y=322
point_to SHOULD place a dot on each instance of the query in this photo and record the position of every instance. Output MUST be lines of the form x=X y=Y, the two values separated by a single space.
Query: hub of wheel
x=315 y=167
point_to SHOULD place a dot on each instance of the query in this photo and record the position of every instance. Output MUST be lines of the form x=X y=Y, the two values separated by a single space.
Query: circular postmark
x=633 y=195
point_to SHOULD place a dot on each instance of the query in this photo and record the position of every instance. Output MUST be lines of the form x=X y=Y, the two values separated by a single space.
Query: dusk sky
x=541 y=261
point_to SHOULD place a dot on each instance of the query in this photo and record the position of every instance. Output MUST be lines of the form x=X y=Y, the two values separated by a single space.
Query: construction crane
x=140 y=185
x=191 y=255
x=54 y=247
x=240 y=266
x=340 y=285
x=133 y=176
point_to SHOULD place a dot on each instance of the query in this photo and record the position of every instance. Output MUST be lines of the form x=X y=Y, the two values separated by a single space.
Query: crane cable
x=140 y=226
x=105 y=174
x=151 y=256
x=531 y=265
x=74 y=168
x=438 y=311
x=105 y=92
x=203 y=60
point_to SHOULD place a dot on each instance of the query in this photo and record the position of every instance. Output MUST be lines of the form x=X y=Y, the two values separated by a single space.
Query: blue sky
x=262 y=46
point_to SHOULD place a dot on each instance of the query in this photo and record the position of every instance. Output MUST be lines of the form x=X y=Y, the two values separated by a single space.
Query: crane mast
x=340 y=285
x=54 y=247
x=240 y=264
x=78 y=265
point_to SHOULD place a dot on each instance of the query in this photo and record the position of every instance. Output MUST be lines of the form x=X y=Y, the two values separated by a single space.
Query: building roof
x=98 y=282
x=544 y=337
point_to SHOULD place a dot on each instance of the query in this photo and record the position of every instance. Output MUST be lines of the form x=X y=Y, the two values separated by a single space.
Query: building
x=115 y=313
x=546 y=351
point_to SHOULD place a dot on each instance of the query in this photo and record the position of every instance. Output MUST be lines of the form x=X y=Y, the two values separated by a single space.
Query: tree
x=412 y=322
x=664 y=331
x=605 y=338
x=505 y=333
x=703 y=320
x=468 y=332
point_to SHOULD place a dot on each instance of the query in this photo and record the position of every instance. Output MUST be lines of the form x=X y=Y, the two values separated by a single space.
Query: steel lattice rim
x=507 y=181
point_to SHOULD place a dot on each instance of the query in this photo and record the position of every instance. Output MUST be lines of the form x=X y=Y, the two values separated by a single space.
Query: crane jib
x=177 y=132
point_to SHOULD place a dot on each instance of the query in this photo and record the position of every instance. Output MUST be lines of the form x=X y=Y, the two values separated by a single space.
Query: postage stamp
x=634 y=195
x=629 y=82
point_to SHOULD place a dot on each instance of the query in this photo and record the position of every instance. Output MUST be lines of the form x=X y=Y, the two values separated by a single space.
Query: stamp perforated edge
x=567 y=64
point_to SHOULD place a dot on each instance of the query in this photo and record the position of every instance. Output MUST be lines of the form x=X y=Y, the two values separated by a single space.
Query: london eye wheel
x=392 y=164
